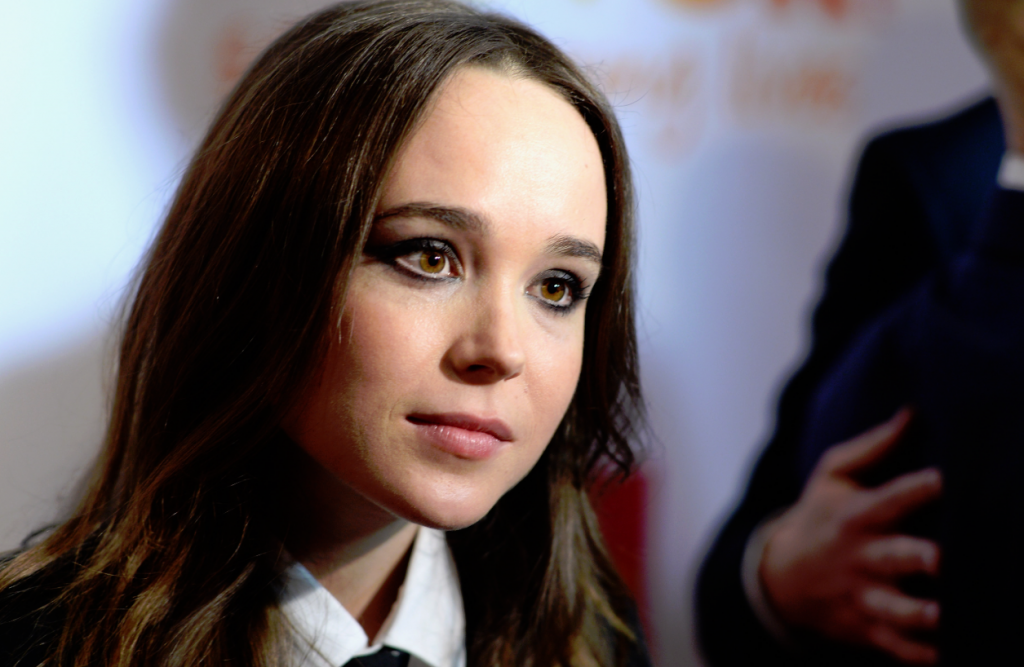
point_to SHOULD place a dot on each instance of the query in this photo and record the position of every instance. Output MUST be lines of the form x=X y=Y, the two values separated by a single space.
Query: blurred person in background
x=864 y=552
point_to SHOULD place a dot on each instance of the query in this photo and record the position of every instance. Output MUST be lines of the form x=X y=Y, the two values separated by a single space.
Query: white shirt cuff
x=1011 y=172
x=750 y=575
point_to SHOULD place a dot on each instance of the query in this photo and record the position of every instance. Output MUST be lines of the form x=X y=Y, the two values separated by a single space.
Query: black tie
x=385 y=657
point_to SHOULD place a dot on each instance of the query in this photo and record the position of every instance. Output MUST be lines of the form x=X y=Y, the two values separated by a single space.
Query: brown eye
x=553 y=289
x=432 y=261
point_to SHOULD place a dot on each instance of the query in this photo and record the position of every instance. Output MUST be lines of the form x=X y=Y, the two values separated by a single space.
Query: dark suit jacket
x=914 y=310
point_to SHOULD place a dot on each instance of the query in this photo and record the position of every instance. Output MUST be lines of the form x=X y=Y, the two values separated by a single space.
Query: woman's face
x=462 y=335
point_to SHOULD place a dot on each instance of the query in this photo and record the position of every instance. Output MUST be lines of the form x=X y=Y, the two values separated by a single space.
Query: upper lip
x=495 y=427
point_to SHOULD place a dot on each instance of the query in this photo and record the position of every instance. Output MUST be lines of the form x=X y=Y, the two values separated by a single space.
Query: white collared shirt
x=427 y=620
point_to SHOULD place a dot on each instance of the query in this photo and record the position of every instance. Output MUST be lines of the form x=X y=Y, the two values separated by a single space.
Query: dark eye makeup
x=434 y=260
x=560 y=291
x=425 y=259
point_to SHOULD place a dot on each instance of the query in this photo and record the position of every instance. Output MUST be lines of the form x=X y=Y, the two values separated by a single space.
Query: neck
x=365 y=576
x=356 y=550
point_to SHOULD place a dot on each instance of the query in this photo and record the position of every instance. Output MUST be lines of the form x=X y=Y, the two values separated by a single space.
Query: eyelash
x=394 y=253
x=578 y=290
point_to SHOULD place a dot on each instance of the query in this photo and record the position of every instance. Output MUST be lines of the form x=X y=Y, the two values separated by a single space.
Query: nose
x=489 y=345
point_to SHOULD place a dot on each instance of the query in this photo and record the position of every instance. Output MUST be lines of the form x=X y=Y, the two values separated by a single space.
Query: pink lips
x=461 y=435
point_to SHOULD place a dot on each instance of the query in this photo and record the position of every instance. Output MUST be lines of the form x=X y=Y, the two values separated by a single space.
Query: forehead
x=508 y=148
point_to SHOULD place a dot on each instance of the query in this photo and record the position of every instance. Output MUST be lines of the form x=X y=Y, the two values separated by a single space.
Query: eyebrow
x=561 y=245
x=456 y=218
x=571 y=246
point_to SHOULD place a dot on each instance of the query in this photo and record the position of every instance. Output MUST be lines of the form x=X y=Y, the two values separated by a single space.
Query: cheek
x=557 y=371
x=388 y=344
x=378 y=354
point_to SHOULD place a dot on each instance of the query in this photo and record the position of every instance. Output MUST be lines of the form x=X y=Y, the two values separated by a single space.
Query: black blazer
x=912 y=306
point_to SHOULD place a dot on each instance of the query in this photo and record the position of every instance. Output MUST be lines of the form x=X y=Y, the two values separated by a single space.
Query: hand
x=997 y=27
x=831 y=562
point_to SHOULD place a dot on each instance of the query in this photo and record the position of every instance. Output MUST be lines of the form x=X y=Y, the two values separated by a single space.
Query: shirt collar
x=426 y=621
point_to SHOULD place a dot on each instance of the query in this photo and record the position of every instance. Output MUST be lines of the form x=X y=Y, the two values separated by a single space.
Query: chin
x=445 y=511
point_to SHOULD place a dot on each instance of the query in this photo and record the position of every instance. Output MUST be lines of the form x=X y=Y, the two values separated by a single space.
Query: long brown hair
x=170 y=556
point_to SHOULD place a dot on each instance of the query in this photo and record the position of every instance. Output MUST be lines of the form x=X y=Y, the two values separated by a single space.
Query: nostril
x=477 y=367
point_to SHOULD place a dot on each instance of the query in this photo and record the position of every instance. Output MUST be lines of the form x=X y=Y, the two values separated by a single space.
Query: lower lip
x=459 y=442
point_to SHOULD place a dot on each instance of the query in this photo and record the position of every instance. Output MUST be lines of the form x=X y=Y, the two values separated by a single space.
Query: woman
x=392 y=297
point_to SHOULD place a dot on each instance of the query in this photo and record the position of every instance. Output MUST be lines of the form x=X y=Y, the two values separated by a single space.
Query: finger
x=912 y=652
x=900 y=497
x=895 y=609
x=866 y=449
x=897 y=556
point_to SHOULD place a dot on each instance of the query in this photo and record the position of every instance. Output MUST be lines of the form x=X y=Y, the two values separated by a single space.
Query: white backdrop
x=743 y=118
